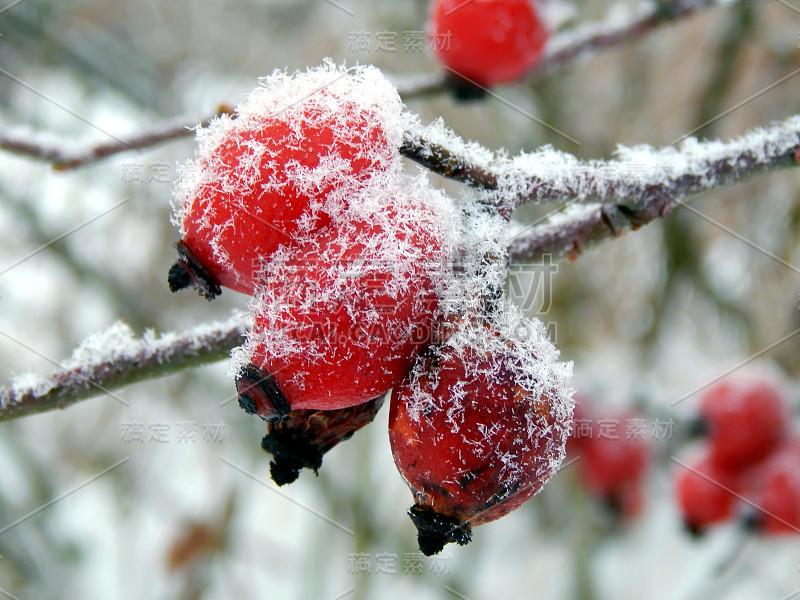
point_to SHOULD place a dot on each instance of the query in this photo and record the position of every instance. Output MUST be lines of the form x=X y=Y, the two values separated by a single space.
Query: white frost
x=119 y=344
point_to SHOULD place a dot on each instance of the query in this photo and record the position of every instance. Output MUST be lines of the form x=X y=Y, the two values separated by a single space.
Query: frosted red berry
x=478 y=427
x=775 y=493
x=706 y=493
x=298 y=148
x=744 y=417
x=487 y=41
x=342 y=316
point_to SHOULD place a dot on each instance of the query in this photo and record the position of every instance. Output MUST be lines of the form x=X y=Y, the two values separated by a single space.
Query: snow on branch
x=621 y=25
x=579 y=228
x=633 y=179
x=115 y=358
x=662 y=179
x=65 y=157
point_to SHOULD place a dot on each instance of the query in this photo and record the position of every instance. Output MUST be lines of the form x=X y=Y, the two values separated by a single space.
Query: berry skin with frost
x=342 y=316
x=297 y=149
x=479 y=425
x=487 y=41
x=776 y=493
x=744 y=417
x=706 y=492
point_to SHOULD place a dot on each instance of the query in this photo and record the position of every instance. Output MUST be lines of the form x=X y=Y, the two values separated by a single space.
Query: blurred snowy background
x=169 y=496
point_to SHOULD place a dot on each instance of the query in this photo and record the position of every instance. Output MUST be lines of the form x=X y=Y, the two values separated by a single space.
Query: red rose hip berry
x=342 y=316
x=479 y=425
x=706 y=492
x=744 y=417
x=613 y=463
x=775 y=508
x=298 y=148
x=487 y=41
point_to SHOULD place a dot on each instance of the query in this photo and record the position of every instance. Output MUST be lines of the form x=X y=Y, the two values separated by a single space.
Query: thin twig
x=571 y=233
x=588 y=227
x=587 y=39
x=563 y=49
x=65 y=158
x=128 y=361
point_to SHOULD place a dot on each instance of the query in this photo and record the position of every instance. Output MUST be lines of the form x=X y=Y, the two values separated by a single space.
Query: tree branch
x=668 y=176
x=571 y=233
x=616 y=29
x=638 y=174
x=114 y=359
x=65 y=158
x=562 y=49
x=639 y=187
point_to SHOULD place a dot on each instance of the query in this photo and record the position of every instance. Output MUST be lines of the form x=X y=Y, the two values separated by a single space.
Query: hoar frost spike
x=480 y=424
x=297 y=150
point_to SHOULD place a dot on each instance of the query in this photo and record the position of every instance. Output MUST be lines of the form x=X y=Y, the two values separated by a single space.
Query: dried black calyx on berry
x=435 y=530
x=259 y=394
x=189 y=271
x=301 y=438
x=697 y=532
x=291 y=450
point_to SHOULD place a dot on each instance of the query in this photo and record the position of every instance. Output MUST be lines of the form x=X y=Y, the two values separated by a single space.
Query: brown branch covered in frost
x=563 y=49
x=568 y=236
x=633 y=179
x=64 y=157
x=587 y=39
x=633 y=204
x=113 y=359
x=608 y=198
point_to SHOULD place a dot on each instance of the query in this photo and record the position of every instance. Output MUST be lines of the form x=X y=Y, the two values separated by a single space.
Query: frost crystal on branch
x=633 y=178
x=114 y=358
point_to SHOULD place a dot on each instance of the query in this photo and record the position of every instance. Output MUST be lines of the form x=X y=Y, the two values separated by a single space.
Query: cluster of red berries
x=747 y=465
x=484 y=43
x=294 y=202
x=299 y=202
